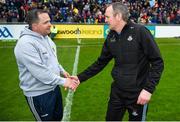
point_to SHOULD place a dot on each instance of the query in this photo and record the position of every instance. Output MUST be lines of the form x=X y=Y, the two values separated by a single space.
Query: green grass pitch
x=90 y=99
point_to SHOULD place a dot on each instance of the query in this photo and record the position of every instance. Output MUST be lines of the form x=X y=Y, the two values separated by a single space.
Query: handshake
x=72 y=82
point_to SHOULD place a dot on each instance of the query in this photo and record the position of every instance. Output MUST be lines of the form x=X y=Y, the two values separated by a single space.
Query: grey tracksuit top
x=39 y=70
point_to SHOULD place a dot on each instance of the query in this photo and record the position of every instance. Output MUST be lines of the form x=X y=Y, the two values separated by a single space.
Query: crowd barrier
x=12 y=31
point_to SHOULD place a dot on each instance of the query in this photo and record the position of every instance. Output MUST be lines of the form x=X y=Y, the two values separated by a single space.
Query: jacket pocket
x=125 y=75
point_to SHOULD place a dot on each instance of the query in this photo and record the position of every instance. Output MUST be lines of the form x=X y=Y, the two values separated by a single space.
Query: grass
x=12 y=103
x=90 y=99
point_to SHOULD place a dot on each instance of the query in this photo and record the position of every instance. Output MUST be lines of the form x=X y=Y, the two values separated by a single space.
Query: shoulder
x=26 y=40
x=137 y=26
x=26 y=44
x=139 y=29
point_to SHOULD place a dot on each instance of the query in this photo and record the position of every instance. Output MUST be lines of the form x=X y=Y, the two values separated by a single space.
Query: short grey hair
x=118 y=7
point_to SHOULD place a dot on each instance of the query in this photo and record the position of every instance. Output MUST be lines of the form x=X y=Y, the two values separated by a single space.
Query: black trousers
x=121 y=101
x=48 y=106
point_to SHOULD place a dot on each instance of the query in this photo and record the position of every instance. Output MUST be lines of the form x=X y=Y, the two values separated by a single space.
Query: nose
x=49 y=24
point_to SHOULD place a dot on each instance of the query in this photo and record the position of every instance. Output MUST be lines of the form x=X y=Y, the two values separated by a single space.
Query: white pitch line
x=69 y=98
x=91 y=45
x=65 y=46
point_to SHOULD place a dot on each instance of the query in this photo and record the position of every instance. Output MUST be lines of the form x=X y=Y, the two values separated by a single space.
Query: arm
x=152 y=52
x=28 y=55
x=98 y=65
x=61 y=69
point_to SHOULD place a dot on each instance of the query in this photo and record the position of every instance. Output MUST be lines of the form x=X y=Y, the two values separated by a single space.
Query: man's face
x=110 y=18
x=43 y=25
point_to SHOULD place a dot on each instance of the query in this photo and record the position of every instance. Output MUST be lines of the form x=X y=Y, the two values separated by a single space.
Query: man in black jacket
x=137 y=69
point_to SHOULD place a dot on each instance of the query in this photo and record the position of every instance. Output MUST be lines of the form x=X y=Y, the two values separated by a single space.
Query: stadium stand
x=92 y=11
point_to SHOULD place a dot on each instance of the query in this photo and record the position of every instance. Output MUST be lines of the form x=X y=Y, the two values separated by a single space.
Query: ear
x=34 y=26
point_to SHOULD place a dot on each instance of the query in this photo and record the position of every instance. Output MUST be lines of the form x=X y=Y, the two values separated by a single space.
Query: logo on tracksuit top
x=130 y=38
x=134 y=113
x=113 y=39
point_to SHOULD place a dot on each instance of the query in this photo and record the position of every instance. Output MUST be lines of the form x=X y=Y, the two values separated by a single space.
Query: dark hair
x=118 y=7
x=32 y=16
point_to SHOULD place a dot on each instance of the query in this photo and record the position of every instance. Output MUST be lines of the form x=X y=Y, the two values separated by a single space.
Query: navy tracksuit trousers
x=48 y=106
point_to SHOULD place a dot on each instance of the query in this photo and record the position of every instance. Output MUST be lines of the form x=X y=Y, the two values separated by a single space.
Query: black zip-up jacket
x=138 y=63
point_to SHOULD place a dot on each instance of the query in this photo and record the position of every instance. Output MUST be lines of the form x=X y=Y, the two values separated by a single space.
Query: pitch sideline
x=69 y=98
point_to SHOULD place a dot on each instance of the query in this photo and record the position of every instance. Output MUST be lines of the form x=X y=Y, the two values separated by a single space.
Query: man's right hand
x=71 y=83
x=76 y=81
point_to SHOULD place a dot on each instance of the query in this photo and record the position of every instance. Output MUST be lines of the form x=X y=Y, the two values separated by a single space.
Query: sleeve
x=29 y=55
x=61 y=69
x=152 y=52
x=98 y=65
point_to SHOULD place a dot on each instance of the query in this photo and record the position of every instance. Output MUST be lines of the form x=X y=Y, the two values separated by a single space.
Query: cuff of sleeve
x=62 y=81
x=149 y=89
x=61 y=72
x=150 y=86
x=80 y=77
x=61 y=69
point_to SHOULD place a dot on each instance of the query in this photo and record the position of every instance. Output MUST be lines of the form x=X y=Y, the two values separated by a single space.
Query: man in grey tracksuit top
x=39 y=70
x=37 y=62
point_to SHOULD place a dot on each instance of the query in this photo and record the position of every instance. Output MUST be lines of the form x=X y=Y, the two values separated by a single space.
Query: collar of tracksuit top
x=126 y=26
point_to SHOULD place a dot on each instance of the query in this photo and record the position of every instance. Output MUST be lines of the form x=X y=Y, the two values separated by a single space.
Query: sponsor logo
x=78 y=31
x=4 y=32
